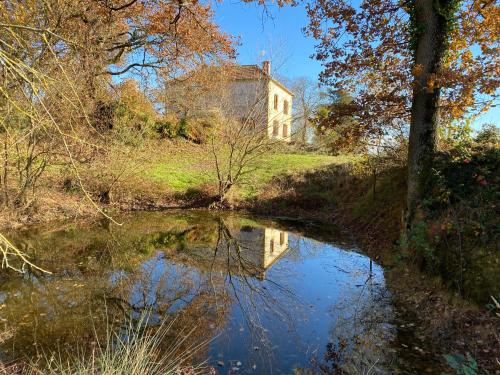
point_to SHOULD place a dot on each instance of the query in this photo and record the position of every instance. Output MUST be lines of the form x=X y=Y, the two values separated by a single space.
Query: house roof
x=240 y=73
x=251 y=72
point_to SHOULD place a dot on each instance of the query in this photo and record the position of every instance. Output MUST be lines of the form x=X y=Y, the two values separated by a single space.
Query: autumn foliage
x=368 y=51
x=60 y=64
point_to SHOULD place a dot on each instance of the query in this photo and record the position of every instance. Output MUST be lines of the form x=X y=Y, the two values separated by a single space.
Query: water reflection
x=269 y=299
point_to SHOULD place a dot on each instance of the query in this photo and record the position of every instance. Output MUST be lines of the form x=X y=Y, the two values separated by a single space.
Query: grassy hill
x=183 y=166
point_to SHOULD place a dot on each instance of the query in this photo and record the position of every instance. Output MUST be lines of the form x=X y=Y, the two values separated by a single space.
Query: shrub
x=458 y=230
x=182 y=130
x=488 y=135
x=165 y=129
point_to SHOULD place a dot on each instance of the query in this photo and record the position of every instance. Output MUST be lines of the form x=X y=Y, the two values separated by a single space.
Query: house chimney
x=266 y=67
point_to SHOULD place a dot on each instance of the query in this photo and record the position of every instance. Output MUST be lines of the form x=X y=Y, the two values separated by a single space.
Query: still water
x=266 y=297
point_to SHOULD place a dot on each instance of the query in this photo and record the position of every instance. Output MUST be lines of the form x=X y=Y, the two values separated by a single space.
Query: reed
x=133 y=350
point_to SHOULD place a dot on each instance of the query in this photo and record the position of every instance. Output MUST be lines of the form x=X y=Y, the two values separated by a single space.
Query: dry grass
x=131 y=351
x=51 y=204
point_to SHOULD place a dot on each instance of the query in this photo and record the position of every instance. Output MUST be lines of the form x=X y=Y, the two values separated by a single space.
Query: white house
x=243 y=92
x=255 y=93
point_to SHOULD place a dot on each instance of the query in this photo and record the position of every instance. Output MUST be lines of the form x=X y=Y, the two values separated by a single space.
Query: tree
x=489 y=134
x=239 y=141
x=56 y=59
x=409 y=65
x=305 y=101
x=191 y=94
x=432 y=22
x=236 y=146
x=236 y=111
x=56 y=62
x=337 y=130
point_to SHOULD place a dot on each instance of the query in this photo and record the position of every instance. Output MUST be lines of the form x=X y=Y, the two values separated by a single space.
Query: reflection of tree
x=194 y=305
x=186 y=270
x=254 y=296
x=198 y=283
x=96 y=274
x=53 y=315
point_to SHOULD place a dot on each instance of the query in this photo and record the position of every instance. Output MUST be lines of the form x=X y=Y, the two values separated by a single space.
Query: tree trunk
x=431 y=27
x=303 y=135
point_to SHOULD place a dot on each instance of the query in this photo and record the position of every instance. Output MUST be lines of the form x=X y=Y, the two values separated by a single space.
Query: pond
x=264 y=296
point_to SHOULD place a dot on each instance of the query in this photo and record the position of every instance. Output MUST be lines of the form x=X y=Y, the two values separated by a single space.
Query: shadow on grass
x=198 y=197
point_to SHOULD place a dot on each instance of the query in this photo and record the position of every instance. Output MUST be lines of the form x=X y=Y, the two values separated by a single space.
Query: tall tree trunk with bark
x=432 y=21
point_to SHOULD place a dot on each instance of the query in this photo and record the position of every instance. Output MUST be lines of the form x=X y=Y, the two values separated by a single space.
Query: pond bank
x=372 y=217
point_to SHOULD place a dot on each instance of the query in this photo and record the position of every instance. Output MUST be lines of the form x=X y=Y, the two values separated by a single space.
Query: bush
x=488 y=135
x=458 y=231
x=165 y=129
x=182 y=130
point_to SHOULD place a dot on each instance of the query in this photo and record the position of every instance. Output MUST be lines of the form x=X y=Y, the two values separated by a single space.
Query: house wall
x=248 y=99
x=278 y=116
x=275 y=244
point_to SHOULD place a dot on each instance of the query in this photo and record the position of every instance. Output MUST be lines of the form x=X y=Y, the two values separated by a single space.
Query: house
x=253 y=89
x=246 y=251
x=247 y=93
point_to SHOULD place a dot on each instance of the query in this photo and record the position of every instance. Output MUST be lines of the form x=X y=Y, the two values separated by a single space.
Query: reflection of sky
x=319 y=276
x=282 y=321
x=311 y=295
x=316 y=277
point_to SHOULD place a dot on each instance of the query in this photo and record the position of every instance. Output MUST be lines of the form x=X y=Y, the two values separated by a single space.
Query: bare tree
x=234 y=101
x=56 y=60
x=242 y=134
x=307 y=98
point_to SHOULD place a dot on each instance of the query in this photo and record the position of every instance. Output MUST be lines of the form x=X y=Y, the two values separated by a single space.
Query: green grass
x=178 y=179
x=181 y=170
x=277 y=164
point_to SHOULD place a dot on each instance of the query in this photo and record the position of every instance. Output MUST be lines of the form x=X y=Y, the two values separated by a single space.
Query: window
x=285 y=130
x=271 y=245
x=282 y=238
x=276 y=101
x=276 y=128
x=285 y=107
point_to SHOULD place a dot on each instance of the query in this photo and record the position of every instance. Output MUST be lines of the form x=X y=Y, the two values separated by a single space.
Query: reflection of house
x=247 y=250
x=275 y=244
x=262 y=246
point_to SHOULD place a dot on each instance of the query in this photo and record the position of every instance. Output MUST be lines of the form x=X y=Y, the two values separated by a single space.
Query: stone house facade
x=255 y=93
x=243 y=92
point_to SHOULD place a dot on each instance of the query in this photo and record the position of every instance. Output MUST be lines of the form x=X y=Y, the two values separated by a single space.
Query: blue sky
x=278 y=37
